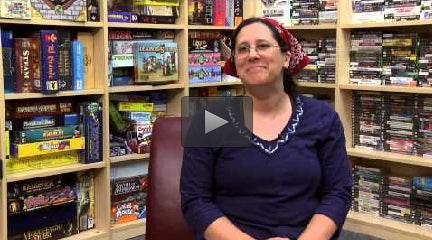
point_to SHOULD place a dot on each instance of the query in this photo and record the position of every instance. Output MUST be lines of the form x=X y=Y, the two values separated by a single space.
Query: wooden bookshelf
x=341 y=92
x=385 y=228
x=14 y=177
x=129 y=157
x=124 y=231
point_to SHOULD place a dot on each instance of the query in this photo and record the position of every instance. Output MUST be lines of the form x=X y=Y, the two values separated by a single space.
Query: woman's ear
x=287 y=59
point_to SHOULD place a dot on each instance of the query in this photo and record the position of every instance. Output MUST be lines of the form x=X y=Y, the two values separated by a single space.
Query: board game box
x=156 y=61
x=70 y=10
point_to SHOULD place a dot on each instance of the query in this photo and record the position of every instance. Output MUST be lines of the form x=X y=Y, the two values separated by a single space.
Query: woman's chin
x=256 y=80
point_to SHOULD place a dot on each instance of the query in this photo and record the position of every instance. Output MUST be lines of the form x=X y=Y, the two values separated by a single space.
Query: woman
x=294 y=182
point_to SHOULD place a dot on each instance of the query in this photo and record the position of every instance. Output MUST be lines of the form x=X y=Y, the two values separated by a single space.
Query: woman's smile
x=253 y=69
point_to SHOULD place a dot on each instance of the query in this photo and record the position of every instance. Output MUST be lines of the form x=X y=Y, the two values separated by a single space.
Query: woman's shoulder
x=317 y=110
x=313 y=104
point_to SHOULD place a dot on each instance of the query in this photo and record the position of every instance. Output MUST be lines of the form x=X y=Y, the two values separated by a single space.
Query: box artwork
x=156 y=61
x=70 y=10
x=15 y=9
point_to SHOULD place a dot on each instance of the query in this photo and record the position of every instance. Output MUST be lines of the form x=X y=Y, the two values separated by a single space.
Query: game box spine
x=49 y=61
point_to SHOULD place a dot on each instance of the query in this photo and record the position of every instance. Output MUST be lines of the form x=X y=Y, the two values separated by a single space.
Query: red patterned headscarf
x=298 y=60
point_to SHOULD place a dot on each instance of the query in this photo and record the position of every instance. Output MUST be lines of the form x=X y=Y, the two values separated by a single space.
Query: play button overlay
x=211 y=121
x=216 y=121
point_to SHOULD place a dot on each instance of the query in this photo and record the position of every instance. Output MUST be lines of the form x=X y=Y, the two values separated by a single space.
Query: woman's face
x=258 y=58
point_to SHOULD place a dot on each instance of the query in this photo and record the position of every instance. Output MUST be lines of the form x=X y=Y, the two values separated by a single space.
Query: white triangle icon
x=212 y=122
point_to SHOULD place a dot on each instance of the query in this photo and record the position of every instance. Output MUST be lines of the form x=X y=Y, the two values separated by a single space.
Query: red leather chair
x=164 y=217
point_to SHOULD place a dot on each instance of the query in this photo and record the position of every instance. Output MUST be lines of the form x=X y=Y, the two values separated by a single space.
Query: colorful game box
x=49 y=51
x=204 y=59
x=43 y=134
x=91 y=119
x=45 y=147
x=71 y=10
x=15 y=9
x=205 y=74
x=156 y=61
x=85 y=200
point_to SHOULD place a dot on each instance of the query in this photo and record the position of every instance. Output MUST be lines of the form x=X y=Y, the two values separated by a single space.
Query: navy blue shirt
x=273 y=188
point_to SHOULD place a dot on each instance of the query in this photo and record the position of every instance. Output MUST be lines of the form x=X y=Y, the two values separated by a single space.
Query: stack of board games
x=47 y=61
x=367 y=11
x=51 y=133
x=310 y=72
x=424 y=137
x=214 y=12
x=328 y=12
x=122 y=63
x=425 y=62
x=305 y=12
x=34 y=206
x=422 y=200
x=396 y=198
x=368 y=117
x=367 y=190
x=400 y=124
x=399 y=59
x=145 y=11
x=128 y=198
x=326 y=60
x=131 y=121
x=365 y=58
x=44 y=127
x=204 y=57
x=402 y=10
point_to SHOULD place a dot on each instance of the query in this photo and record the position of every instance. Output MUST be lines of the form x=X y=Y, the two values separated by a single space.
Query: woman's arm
x=320 y=227
x=223 y=229
x=336 y=182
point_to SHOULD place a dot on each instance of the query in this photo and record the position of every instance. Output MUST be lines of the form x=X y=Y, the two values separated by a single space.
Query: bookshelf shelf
x=383 y=88
x=129 y=157
x=93 y=234
x=390 y=157
x=416 y=23
x=316 y=85
x=128 y=230
x=216 y=84
x=58 y=23
x=209 y=27
x=139 y=88
x=16 y=96
x=312 y=27
x=385 y=228
x=147 y=26
x=14 y=177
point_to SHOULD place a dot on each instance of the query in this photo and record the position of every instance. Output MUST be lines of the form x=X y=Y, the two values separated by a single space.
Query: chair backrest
x=164 y=217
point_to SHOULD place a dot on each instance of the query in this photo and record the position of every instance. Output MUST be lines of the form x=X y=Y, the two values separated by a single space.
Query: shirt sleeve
x=335 y=191
x=196 y=183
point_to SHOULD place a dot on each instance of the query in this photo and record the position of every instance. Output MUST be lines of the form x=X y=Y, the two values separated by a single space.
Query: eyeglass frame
x=265 y=46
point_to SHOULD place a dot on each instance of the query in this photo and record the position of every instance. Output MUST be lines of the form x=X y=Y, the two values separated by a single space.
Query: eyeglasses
x=244 y=50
